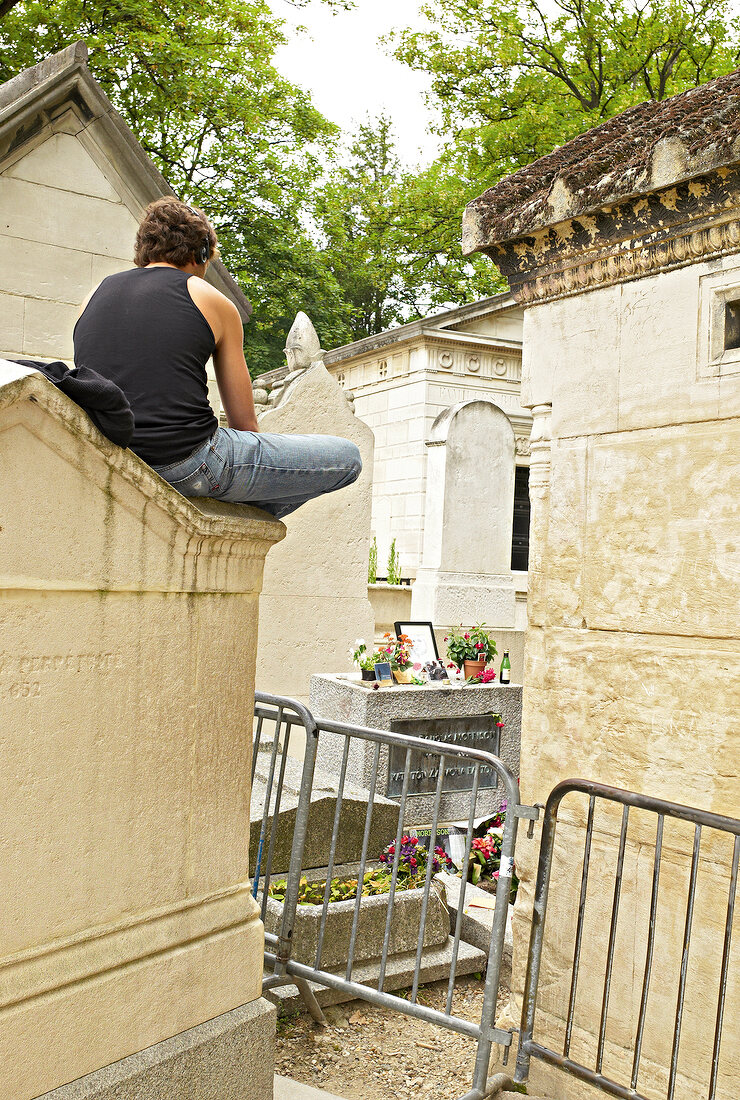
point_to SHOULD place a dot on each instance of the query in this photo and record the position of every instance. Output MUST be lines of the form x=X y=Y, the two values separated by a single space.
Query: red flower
x=467 y=637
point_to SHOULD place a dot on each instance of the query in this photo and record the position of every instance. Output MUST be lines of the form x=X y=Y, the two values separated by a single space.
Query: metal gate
x=279 y=720
x=528 y=1046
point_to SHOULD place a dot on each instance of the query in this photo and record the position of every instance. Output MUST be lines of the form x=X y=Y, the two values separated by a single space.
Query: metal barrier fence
x=528 y=1046
x=279 y=719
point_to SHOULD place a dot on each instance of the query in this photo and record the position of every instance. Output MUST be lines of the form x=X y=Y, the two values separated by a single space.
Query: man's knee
x=354 y=463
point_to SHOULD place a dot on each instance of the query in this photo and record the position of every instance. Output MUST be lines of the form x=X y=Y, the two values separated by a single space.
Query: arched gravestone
x=128 y=632
x=466 y=565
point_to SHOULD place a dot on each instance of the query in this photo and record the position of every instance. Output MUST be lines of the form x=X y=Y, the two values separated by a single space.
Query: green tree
x=389 y=235
x=358 y=214
x=513 y=79
x=196 y=82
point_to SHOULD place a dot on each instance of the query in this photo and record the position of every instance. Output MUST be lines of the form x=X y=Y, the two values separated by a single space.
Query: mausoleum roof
x=646 y=148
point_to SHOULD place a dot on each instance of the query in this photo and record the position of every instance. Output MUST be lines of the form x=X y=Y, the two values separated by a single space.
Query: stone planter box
x=404 y=935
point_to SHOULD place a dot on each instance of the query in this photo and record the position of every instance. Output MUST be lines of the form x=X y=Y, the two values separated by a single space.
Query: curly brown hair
x=172 y=232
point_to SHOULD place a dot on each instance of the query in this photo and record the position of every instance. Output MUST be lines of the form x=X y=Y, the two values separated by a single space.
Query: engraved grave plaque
x=477 y=731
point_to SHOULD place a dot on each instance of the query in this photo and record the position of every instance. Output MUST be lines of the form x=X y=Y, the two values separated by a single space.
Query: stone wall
x=66 y=227
x=127 y=655
x=632 y=650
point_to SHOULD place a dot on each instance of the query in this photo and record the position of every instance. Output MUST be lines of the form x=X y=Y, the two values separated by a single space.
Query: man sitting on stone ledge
x=151 y=330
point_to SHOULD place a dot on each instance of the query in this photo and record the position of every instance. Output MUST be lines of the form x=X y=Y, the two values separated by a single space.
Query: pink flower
x=417 y=666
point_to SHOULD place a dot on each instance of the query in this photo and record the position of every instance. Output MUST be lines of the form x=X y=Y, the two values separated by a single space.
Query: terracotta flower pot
x=402 y=675
x=474 y=668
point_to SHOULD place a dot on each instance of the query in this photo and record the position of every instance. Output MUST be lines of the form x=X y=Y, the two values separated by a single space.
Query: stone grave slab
x=460 y=715
x=320 y=820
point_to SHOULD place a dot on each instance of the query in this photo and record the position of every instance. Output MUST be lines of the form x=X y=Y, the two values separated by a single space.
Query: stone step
x=321 y=818
x=287 y=1089
x=435 y=964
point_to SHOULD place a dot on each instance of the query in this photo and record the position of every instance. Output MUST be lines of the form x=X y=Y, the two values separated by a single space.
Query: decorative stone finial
x=302 y=348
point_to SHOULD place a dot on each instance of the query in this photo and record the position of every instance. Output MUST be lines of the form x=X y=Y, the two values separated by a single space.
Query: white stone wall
x=64 y=225
x=399 y=394
x=632 y=649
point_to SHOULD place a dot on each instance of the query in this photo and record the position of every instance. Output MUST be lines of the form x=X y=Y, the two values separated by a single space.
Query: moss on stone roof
x=650 y=146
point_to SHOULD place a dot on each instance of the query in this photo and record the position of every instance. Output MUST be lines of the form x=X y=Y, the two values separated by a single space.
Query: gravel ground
x=370 y=1052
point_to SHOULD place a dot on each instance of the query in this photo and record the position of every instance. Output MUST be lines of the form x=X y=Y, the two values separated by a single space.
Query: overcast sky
x=349 y=72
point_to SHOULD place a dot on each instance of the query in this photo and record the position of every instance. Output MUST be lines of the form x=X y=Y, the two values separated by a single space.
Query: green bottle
x=505 y=673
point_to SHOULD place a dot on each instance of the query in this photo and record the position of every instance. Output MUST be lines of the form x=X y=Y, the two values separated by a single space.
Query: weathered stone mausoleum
x=74 y=182
x=129 y=932
x=624 y=247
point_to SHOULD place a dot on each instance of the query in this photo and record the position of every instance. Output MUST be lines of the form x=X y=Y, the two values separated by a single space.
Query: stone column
x=465 y=575
x=127 y=655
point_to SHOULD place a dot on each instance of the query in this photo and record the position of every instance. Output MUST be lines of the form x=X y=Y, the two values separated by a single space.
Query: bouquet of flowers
x=413 y=858
x=485 y=855
x=397 y=651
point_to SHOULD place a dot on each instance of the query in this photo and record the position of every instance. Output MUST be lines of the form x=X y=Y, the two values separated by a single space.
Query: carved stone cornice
x=680 y=225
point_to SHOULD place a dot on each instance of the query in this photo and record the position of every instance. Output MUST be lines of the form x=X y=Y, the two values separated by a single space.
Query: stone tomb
x=124 y=768
x=315 y=601
x=320 y=821
x=460 y=715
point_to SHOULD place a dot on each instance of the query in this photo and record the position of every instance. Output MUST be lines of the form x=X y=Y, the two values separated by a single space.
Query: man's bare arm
x=232 y=375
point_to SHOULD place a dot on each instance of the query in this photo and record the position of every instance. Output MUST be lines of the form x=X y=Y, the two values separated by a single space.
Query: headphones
x=203 y=254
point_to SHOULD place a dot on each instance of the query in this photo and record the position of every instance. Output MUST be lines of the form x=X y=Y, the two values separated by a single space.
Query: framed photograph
x=383 y=672
x=423 y=642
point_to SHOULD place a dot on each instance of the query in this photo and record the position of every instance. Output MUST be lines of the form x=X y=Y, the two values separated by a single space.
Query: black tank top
x=142 y=330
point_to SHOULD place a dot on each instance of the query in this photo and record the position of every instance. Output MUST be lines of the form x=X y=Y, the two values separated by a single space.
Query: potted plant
x=471 y=649
x=365 y=660
x=397 y=651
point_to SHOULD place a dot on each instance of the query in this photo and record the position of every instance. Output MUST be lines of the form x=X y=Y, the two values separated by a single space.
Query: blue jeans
x=277 y=473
